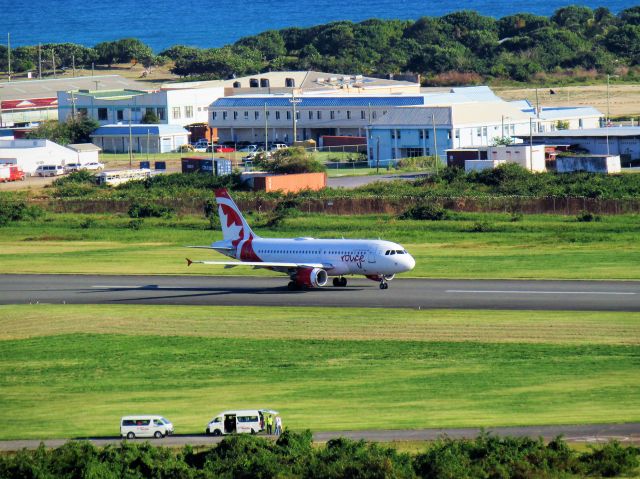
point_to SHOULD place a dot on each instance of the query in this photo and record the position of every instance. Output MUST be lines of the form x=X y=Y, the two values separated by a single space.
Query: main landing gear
x=384 y=284
x=340 y=282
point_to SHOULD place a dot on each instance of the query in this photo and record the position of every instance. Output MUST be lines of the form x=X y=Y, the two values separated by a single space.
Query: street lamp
x=294 y=101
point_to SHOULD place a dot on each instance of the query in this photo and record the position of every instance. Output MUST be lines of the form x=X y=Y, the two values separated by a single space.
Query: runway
x=254 y=291
x=586 y=433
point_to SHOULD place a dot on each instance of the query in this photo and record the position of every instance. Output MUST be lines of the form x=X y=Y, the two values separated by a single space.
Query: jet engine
x=311 y=277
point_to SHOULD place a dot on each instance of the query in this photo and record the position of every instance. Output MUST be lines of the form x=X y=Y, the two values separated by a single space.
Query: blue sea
x=206 y=23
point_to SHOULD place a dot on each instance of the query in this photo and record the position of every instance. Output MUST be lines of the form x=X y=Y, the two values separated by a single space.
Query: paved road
x=355 y=181
x=402 y=293
x=590 y=433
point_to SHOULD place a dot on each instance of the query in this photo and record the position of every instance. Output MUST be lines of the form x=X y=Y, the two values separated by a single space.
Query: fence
x=368 y=205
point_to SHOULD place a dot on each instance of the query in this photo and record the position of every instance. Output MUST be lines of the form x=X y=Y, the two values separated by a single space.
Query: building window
x=580 y=124
x=373 y=115
x=188 y=112
x=162 y=115
x=348 y=114
x=424 y=134
x=319 y=115
x=246 y=115
x=277 y=115
x=411 y=152
x=214 y=115
x=332 y=115
x=268 y=114
x=235 y=115
x=479 y=132
x=288 y=115
x=395 y=134
x=175 y=112
x=102 y=114
x=363 y=115
x=236 y=84
x=264 y=83
x=119 y=115
x=310 y=115
x=458 y=134
x=256 y=115
x=297 y=115
x=449 y=134
x=484 y=131
x=253 y=83
x=224 y=115
x=289 y=82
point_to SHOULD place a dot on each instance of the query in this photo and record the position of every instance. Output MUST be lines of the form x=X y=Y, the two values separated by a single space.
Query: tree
x=291 y=160
x=269 y=43
x=150 y=118
x=562 y=125
x=75 y=130
x=502 y=141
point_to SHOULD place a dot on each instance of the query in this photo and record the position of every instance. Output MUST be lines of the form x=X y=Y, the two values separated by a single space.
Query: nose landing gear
x=384 y=284
x=340 y=282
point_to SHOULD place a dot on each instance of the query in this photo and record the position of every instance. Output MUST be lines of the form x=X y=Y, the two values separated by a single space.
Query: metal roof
x=414 y=116
x=140 y=130
x=324 y=101
x=559 y=113
x=617 y=131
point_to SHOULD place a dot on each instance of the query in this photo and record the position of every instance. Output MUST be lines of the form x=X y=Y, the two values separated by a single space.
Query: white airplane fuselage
x=342 y=256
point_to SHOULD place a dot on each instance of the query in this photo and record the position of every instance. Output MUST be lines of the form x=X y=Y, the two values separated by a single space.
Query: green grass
x=537 y=247
x=75 y=373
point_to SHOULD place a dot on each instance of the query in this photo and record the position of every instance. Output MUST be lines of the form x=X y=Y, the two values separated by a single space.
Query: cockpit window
x=386 y=253
x=399 y=251
x=393 y=251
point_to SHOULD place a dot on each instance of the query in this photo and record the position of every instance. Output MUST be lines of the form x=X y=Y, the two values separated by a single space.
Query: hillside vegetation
x=463 y=47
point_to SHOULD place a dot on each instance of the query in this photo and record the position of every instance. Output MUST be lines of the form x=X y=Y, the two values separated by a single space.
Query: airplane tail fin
x=234 y=227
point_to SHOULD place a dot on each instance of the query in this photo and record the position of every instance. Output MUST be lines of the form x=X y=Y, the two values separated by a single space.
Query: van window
x=158 y=422
x=128 y=422
x=218 y=419
x=143 y=422
x=247 y=418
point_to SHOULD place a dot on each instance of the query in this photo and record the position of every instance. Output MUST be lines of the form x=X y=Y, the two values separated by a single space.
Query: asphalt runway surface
x=589 y=433
x=267 y=291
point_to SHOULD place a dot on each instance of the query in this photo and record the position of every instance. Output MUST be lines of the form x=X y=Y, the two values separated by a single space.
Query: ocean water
x=206 y=23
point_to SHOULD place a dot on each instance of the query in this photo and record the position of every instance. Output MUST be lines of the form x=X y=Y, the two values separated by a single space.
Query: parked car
x=145 y=426
x=93 y=165
x=71 y=167
x=250 y=421
x=49 y=170
x=201 y=145
x=277 y=146
x=221 y=149
x=249 y=148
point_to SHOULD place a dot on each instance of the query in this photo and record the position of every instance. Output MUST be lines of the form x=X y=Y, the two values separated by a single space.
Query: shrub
x=426 y=210
x=290 y=161
x=87 y=223
x=586 y=217
x=482 y=227
x=610 y=460
x=149 y=210
x=17 y=210
x=135 y=224
x=419 y=162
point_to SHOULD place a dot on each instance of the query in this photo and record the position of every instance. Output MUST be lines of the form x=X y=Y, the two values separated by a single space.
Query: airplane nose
x=411 y=263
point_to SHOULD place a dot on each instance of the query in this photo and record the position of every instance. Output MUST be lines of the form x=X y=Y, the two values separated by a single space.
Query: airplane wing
x=217 y=248
x=262 y=264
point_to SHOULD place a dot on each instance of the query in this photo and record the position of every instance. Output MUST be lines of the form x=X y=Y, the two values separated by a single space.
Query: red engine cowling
x=312 y=277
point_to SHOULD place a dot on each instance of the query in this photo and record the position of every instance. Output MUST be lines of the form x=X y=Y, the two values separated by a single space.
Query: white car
x=71 y=167
x=201 y=145
x=94 y=166
x=249 y=148
x=145 y=426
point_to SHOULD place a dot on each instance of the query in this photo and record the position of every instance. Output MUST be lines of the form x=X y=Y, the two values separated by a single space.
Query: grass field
x=538 y=246
x=74 y=370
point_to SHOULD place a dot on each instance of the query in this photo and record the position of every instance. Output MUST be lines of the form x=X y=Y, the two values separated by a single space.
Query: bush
x=290 y=161
x=482 y=227
x=135 y=224
x=586 y=217
x=426 y=210
x=416 y=163
x=149 y=210
x=17 y=210
x=610 y=460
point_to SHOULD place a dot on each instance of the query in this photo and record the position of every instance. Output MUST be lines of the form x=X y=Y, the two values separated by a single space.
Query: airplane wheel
x=384 y=286
x=343 y=282
x=291 y=286
x=337 y=282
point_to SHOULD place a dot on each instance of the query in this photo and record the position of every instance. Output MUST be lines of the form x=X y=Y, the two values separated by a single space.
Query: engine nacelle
x=312 y=277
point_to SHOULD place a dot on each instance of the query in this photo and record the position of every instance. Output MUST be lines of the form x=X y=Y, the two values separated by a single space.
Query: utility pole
x=130 y=143
x=377 y=154
x=537 y=105
x=9 y=55
x=53 y=62
x=294 y=101
x=266 y=127
x=608 y=113
x=531 y=142
x=435 y=140
x=73 y=105
x=40 y=61
x=73 y=63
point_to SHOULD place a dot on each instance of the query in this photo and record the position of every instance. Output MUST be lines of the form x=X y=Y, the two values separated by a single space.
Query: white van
x=49 y=170
x=238 y=422
x=145 y=426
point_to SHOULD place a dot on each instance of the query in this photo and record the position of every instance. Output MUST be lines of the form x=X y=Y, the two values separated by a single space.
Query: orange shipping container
x=290 y=183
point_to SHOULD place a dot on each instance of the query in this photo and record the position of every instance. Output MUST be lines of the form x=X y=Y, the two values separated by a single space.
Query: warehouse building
x=144 y=138
x=29 y=154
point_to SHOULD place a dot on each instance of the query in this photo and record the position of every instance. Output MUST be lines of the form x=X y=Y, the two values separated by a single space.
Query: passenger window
x=393 y=252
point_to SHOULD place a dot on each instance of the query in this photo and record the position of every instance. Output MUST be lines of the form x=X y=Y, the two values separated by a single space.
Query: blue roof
x=311 y=102
x=139 y=130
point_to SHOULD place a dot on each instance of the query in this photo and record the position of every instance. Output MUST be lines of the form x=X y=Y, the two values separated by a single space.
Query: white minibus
x=145 y=426
x=238 y=422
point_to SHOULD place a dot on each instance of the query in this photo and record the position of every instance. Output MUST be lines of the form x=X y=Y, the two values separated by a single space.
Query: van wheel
x=158 y=435
x=207 y=432
x=253 y=432
x=131 y=435
x=217 y=432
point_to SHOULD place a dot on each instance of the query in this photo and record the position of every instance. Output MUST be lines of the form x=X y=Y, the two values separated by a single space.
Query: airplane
x=309 y=262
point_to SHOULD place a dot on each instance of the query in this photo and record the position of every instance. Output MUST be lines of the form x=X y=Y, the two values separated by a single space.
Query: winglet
x=188 y=262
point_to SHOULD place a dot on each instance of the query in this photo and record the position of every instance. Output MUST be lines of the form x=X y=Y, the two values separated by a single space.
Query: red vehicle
x=11 y=173
x=221 y=149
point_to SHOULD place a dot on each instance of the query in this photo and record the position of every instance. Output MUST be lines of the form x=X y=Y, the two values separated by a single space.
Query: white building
x=86 y=152
x=173 y=105
x=144 y=138
x=529 y=157
x=579 y=117
x=29 y=154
